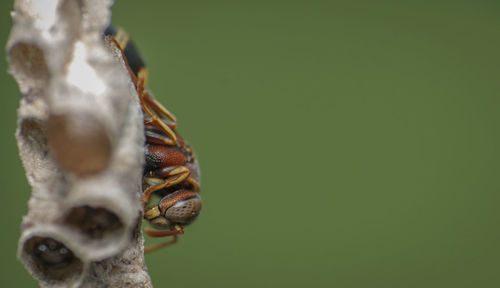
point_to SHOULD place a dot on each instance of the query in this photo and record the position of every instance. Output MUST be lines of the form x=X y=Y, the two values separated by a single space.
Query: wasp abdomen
x=181 y=207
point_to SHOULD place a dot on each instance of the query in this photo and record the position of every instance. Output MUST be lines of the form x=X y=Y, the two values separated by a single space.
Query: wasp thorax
x=184 y=209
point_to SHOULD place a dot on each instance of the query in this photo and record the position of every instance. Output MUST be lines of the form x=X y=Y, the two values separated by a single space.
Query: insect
x=171 y=170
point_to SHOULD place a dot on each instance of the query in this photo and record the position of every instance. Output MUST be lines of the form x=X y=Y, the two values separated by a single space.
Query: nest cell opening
x=28 y=65
x=51 y=259
x=82 y=150
x=95 y=223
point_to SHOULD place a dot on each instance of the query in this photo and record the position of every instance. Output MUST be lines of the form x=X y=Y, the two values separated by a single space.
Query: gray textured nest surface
x=80 y=137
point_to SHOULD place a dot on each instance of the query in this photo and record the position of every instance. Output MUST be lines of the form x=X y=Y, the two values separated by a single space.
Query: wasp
x=171 y=170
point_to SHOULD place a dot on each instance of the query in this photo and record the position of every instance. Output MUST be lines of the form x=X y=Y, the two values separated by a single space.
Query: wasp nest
x=80 y=137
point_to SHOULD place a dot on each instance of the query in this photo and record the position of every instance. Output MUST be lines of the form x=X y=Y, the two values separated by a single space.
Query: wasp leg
x=194 y=183
x=156 y=233
x=152 y=248
x=154 y=135
x=132 y=75
x=160 y=109
x=163 y=233
x=172 y=138
x=144 y=96
x=174 y=175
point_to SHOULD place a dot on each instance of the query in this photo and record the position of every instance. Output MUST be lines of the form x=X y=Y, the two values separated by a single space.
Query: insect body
x=171 y=170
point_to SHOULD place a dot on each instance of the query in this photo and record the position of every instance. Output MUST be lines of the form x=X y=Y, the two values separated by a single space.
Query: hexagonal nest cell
x=84 y=151
x=28 y=65
x=52 y=259
x=94 y=223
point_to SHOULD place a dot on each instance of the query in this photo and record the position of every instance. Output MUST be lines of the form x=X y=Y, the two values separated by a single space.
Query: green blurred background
x=342 y=143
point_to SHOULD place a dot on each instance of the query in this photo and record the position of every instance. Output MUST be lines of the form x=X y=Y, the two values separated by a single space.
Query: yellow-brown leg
x=132 y=75
x=174 y=176
x=160 y=109
x=172 y=138
x=194 y=183
x=144 y=96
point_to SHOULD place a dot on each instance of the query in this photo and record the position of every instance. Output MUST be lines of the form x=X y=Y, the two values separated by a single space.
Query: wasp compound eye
x=50 y=259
